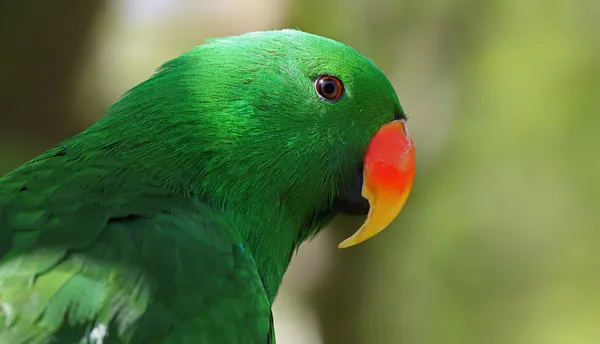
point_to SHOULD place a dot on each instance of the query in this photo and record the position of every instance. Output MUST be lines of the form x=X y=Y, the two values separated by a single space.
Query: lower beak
x=388 y=173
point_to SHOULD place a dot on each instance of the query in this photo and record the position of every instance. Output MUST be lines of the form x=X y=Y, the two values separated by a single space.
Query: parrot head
x=282 y=125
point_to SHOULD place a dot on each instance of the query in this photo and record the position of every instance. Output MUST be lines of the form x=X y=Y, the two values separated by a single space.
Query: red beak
x=388 y=174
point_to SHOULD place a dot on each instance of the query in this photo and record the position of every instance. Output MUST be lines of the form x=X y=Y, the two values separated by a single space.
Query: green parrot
x=174 y=218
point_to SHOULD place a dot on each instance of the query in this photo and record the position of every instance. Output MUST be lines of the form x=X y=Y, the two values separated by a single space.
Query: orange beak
x=388 y=173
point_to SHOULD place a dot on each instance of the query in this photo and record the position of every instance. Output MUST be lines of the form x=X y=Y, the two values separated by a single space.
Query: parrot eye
x=329 y=87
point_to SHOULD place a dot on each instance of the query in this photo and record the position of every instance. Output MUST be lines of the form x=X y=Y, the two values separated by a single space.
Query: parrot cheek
x=388 y=173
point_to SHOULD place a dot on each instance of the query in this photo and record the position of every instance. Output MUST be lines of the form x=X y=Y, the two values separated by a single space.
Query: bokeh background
x=499 y=242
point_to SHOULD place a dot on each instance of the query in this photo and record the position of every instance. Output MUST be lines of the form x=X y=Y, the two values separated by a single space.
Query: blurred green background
x=498 y=242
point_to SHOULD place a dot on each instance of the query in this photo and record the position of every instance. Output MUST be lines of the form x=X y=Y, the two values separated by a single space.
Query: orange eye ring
x=329 y=88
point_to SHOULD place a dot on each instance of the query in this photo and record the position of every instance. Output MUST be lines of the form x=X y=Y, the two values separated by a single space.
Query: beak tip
x=343 y=245
x=352 y=241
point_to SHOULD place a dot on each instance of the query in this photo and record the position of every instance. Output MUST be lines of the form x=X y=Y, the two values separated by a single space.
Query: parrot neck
x=272 y=238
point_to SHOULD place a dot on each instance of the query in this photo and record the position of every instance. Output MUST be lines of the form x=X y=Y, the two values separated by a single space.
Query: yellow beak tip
x=346 y=244
x=354 y=240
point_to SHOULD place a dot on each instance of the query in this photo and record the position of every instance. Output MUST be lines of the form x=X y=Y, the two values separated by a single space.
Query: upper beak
x=388 y=173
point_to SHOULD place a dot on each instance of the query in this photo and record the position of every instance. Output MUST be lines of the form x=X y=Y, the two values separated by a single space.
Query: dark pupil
x=329 y=88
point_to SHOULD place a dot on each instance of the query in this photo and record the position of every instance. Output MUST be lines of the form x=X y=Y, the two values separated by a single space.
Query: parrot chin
x=350 y=201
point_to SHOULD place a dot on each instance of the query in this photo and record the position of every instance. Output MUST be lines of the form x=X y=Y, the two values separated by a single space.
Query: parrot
x=173 y=218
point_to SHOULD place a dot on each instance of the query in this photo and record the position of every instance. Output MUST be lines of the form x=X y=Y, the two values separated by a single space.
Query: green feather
x=174 y=218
